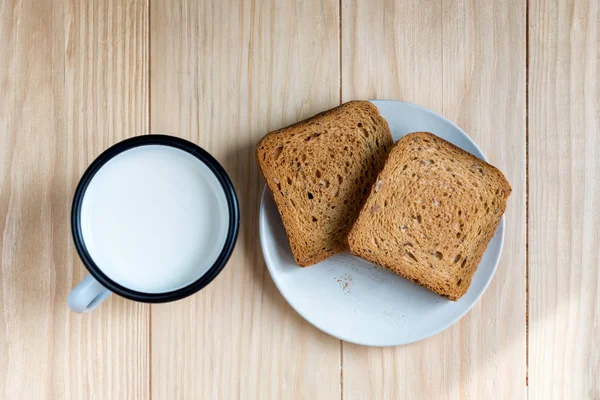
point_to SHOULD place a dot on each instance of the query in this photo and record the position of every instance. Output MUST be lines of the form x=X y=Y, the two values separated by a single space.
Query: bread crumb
x=345 y=283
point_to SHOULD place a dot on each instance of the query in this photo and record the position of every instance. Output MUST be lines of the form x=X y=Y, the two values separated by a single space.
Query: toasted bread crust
x=430 y=214
x=319 y=172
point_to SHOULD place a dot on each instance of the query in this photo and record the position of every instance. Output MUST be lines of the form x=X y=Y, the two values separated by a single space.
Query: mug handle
x=87 y=295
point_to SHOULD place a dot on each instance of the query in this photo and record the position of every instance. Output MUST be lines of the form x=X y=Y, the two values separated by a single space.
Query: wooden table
x=522 y=78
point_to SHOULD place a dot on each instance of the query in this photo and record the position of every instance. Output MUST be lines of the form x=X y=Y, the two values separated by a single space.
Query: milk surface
x=154 y=218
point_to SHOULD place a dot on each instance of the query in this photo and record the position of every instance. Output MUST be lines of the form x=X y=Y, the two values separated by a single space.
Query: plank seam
x=340 y=45
x=526 y=193
x=341 y=99
x=148 y=106
x=342 y=369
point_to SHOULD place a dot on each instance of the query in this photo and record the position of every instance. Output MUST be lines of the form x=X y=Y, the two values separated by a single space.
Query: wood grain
x=223 y=75
x=73 y=80
x=467 y=61
x=76 y=77
x=564 y=235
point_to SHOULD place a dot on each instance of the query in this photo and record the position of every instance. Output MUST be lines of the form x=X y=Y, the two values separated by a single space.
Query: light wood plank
x=73 y=80
x=564 y=223
x=223 y=75
x=467 y=61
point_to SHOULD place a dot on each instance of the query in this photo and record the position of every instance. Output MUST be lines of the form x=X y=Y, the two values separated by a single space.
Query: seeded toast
x=430 y=214
x=319 y=172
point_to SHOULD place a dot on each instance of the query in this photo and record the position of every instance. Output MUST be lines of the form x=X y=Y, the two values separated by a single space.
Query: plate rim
x=500 y=230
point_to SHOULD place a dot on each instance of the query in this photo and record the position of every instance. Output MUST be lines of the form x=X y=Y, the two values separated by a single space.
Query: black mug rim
x=232 y=205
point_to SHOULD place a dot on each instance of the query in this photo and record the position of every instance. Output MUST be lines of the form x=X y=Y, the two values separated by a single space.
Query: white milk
x=154 y=218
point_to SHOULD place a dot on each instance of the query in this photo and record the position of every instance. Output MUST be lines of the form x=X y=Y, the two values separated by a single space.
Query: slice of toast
x=320 y=171
x=430 y=214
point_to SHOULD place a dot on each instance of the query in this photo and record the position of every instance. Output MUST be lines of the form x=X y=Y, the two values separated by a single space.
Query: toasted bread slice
x=320 y=171
x=430 y=214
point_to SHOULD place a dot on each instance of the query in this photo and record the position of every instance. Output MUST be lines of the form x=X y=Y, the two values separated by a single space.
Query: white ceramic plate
x=353 y=299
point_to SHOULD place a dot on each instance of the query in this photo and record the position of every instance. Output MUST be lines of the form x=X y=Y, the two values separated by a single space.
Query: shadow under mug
x=96 y=287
